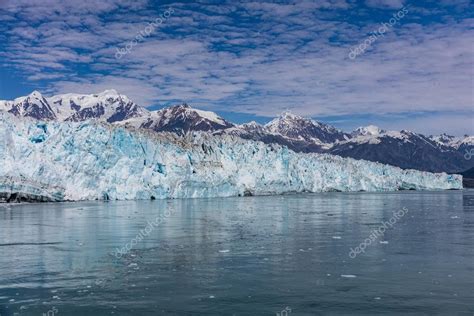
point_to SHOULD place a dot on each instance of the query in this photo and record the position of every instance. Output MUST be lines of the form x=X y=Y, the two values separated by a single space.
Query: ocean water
x=275 y=255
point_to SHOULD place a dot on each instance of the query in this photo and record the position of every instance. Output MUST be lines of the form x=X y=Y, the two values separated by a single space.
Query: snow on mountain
x=466 y=143
x=247 y=130
x=181 y=119
x=300 y=128
x=93 y=160
x=370 y=130
x=374 y=135
x=257 y=132
x=34 y=105
x=252 y=127
x=444 y=139
x=113 y=107
x=405 y=149
x=108 y=106
x=454 y=142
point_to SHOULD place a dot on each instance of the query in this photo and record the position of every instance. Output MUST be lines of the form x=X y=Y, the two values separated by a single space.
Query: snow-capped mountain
x=257 y=132
x=300 y=128
x=33 y=105
x=112 y=107
x=297 y=133
x=370 y=130
x=454 y=142
x=180 y=119
x=108 y=106
x=404 y=149
x=444 y=139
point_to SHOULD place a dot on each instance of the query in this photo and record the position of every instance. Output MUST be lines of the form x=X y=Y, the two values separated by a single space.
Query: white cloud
x=385 y=4
x=271 y=58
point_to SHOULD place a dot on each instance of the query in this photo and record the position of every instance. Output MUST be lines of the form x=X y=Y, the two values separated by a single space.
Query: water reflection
x=242 y=256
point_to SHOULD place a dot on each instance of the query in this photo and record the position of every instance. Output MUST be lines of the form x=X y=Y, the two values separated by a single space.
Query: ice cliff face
x=84 y=160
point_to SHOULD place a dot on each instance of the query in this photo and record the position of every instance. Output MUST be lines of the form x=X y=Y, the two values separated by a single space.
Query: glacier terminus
x=90 y=160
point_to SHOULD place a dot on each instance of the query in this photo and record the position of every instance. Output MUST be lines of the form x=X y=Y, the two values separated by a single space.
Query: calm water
x=241 y=256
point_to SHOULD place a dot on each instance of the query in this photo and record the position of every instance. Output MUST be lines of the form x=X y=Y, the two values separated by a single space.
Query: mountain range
x=405 y=149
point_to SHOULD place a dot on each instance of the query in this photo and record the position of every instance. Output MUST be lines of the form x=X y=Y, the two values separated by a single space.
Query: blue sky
x=253 y=59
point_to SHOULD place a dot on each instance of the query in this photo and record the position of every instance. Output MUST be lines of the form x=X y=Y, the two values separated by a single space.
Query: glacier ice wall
x=85 y=161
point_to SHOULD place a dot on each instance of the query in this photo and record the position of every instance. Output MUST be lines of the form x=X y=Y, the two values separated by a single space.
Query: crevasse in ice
x=87 y=160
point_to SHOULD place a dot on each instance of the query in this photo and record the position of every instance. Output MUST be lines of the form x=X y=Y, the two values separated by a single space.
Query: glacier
x=71 y=161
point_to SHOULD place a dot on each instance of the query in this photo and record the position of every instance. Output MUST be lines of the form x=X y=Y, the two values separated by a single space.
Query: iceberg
x=70 y=161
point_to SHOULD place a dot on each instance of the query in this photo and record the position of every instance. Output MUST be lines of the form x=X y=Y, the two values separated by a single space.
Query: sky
x=394 y=63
